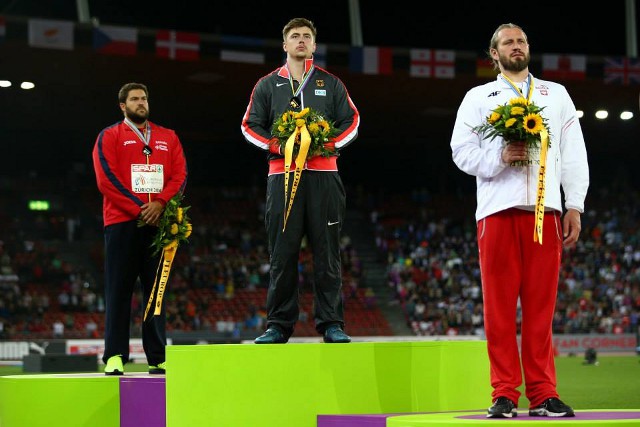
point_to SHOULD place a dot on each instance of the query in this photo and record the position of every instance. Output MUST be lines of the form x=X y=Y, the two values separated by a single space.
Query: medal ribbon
x=147 y=131
x=144 y=138
x=303 y=138
x=544 y=144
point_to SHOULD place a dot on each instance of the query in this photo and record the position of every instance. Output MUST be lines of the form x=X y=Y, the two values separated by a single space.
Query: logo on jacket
x=321 y=92
x=496 y=93
x=129 y=142
x=320 y=83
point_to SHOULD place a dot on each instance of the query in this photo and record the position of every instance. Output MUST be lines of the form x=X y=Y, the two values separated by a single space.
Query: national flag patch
x=50 y=33
x=178 y=45
x=564 y=67
x=112 y=40
x=621 y=70
x=484 y=68
x=436 y=63
x=371 y=60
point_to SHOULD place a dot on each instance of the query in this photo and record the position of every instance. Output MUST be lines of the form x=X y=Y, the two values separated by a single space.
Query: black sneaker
x=552 y=407
x=502 y=408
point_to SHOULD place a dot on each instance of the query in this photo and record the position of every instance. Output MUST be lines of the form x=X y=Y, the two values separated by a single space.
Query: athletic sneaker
x=114 y=366
x=502 y=408
x=160 y=369
x=552 y=407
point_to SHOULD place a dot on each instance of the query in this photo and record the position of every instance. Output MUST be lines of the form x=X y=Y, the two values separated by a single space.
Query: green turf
x=613 y=384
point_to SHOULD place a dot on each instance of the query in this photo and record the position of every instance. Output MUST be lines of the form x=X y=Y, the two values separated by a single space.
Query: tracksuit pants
x=514 y=267
x=127 y=258
x=318 y=212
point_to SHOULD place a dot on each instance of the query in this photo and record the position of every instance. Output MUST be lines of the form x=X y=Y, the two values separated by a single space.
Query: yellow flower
x=313 y=128
x=517 y=120
x=533 y=124
x=517 y=111
x=320 y=129
x=174 y=226
x=519 y=101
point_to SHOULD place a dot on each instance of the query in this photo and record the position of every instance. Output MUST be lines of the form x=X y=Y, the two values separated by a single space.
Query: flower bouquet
x=518 y=120
x=301 y=135
x=320 y=130
x=174 y=228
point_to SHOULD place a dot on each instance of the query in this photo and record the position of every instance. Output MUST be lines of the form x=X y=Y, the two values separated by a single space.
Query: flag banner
x=621 y=70
x=371 y=60
x=432 y=63
x=484 y=68
x=564 y=67
x=320 y=55
x=236 y=41
x=51 y=34
x=229 y=55
x=113 y=40
x=178 y=45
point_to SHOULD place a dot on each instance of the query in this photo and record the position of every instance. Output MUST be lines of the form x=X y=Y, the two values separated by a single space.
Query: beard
x=516 y=64
x=138 y=117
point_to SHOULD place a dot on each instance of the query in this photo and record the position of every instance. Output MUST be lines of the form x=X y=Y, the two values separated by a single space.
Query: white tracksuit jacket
x=500 y=186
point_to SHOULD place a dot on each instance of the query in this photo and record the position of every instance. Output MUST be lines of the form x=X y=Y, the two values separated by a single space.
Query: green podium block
x=290 y=384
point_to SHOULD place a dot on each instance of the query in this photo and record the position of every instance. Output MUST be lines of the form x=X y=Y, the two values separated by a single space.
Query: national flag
x=320 y=55
x=249 y=50
x=178 y=45
x=50 y=33
x=113 y=40
x=371 y=60
x=484 y=68
x=230 y=55
x=621 y=70
x=564 y=67
x=432 y=63
x=3 y=29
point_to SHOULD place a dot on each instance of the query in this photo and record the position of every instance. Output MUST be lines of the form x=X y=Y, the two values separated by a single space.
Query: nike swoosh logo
x=332 y=223
x=280 y=84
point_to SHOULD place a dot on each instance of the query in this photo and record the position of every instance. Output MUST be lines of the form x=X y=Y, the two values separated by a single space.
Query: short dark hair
x=297 y=23
x=123 y=93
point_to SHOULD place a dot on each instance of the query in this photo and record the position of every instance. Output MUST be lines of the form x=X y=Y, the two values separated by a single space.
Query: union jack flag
x=621 y=70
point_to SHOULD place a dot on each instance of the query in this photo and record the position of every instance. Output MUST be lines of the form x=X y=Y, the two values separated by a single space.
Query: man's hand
x=150 y=212
x=571 y=227
x=514 y=151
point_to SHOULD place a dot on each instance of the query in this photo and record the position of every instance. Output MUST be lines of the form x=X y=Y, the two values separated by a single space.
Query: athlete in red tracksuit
x=139 y=166
x=319 y=208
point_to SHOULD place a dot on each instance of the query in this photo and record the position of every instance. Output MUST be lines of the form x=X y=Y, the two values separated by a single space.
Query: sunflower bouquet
x=517 y=120
x=320 y=130
x=174 y=226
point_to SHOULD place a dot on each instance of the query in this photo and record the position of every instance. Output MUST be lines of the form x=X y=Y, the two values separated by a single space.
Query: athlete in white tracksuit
x=514 y=266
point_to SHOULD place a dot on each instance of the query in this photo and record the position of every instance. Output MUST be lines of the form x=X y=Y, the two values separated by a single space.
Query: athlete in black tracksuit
x=319 y=208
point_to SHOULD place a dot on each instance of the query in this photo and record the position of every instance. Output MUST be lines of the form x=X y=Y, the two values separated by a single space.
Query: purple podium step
x=142 y=401
x=355 y=420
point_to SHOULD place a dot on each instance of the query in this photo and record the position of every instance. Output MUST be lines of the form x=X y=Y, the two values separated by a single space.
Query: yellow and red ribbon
x=302 y=137
x=539 y=213
x=164 y=268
